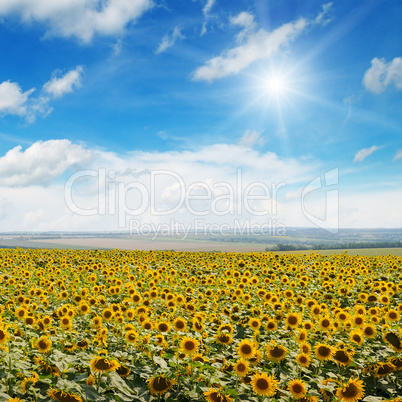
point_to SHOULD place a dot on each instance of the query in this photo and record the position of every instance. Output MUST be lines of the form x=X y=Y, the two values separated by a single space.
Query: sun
x=276 y=84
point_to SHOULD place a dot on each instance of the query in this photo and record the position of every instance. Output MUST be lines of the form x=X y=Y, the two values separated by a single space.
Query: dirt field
x=148 y=244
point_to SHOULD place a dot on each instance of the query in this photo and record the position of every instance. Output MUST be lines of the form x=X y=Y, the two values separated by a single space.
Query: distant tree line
x=336 y=246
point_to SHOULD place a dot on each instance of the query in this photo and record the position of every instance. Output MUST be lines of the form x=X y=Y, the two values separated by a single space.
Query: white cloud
x=251 y=138
x=364 y=153
x=57 y=87
x=257 y=46
x=169 y=40
x=206 y=11
x=398 y=155
x=41 y=163
x=77 y=18
x=117 y=47
x=12 y=99
x=382 y=74
x=246 y=21
x=117 y=188
x=322 y=17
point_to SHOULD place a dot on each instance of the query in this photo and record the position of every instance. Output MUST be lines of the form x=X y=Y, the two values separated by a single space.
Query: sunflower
x=271 y=325
x=160 y=384
x=303 y=360
x=83 y=344
x=369 y=331
x=342 y=357
x=66 y=323
x=4 y=335
x=356 y=336
x=246 y=349
x=293 y=320
x=29 y=320
x=254 y=324
x=43 y=344
x=63 y=396
x=301 y=336
x=179 y=324
x=393 y=340
x=325 y=323
x=197 y=357
x=46 y=321
x=276 y=353
x=396 y=362
x=189 y=345
x=28 y=382
x=102 y=365
x=382 y=369
x=297 y=388
x=131 y=336
x=263 y=384
x=96 y=322
x=46 y=366
x=226 y=328
x=214 y=395
x=163 y=326
x=107 y=314
x=323 y=352
x=351 y=392
x=21 y=312
x=241 y=367
x=224 y=338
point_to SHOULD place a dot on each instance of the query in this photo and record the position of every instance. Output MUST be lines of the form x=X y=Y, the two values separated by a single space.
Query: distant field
x=147 y=244
x=356 y=251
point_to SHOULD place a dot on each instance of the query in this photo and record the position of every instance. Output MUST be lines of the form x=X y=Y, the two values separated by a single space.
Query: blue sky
x=281 y=91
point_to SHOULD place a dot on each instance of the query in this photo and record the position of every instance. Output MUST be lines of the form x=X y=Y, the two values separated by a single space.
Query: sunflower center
x=303 y=359
x=163 y=327
x=350 y=391
x=292 y=320
x=246 y=349
x=262 y=384
x=224 y=338
x=277 y=352
x=42 y=344
x=297 y=388
x=369 y=331
x=161 y=384
x=179 y=324
x=324 y=351
x=325 y=323
x=341 y=356
x=103 y=365
x=241 y=367
x=189 y=345
x=385 y=369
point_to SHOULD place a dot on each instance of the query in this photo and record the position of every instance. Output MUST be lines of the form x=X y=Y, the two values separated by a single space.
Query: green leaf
x=91 y=394
x=372 y=399
x=161 y=362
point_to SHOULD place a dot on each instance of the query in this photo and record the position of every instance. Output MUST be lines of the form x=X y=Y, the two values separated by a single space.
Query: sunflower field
x=181 y=326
